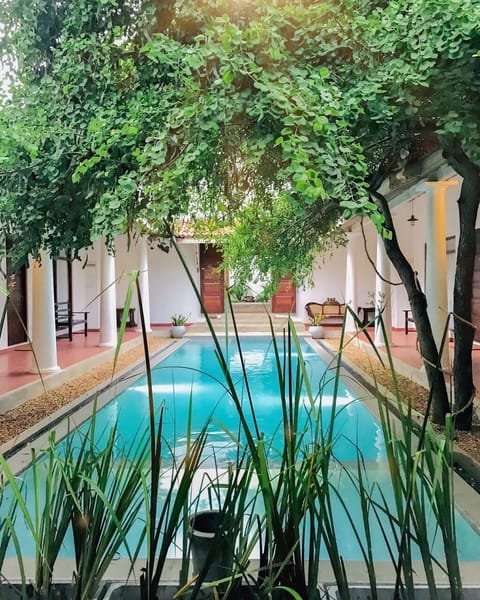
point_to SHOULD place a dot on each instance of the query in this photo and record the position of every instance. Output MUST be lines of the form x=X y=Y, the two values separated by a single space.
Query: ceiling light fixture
x=412 y=219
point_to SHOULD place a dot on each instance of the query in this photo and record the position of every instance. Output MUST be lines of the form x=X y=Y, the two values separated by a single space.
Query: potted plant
x=315 y=329
x=178 y=325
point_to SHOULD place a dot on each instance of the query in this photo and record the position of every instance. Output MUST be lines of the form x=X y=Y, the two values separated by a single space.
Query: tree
x=396 y=65
x=377 y=61
x=303 y=112
x=79 y=106
x=257 y=115
x=269 y=128
x=423 y=55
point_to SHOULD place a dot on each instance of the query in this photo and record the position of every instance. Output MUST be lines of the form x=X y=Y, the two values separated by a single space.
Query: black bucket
x=211 y=543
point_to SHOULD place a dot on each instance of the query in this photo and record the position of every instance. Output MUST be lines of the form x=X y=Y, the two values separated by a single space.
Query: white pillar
x=143 y=280
x=108 y=300
x=351 y=296
x=436 y=263
x=383 y=296
x=44 y=340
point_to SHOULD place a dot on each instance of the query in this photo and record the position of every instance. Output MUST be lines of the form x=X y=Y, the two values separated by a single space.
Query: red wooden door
x=284 y=300
x=212 y=279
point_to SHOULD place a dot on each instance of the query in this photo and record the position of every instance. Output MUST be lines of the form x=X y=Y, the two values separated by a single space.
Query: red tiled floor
x=404 y=350
x=16 y=362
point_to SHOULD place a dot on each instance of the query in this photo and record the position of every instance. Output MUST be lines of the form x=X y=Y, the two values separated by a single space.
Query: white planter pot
x=316 y=331
x=177 y=331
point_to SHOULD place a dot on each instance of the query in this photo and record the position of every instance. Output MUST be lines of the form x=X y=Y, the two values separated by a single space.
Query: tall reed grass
x=421 y=482
x=277 y=497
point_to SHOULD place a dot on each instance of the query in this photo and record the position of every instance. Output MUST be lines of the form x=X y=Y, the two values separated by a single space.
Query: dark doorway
x=284 y=300
x=16 y=302
x=62 y=281
x=212 y=279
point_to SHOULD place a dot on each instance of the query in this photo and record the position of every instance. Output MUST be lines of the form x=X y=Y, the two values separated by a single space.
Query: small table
x=368 y=313
x=131 y=317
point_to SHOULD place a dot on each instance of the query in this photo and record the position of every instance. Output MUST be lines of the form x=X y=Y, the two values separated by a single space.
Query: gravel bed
x=17 y=420
x=412 y=393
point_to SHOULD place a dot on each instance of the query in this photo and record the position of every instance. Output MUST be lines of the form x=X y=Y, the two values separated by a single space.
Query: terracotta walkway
x=16 y=362
x=18 y=383
x=408 y=360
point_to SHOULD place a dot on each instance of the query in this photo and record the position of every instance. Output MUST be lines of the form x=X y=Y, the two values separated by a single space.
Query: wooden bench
x=330 y=312
x=66 y=319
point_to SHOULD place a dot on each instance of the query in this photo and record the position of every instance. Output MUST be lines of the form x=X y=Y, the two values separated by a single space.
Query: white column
x=108 y=300
x=43 y=340
x=383 y=296
x=436 y=263
x=351 y=296
x=143 y=280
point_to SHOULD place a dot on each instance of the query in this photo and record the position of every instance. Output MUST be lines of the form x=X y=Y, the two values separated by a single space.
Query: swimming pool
x=191 y=377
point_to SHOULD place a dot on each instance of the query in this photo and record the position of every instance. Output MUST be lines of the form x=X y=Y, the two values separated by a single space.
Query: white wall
x=412 y=241
x=86 y=284
x=170 y=290
x=329 y=281
x=365 y=269
x=329 y=275
x=126 y=261
x=29 y=297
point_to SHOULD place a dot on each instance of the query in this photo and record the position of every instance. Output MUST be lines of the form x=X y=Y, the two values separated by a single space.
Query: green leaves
x=227 y=77
x=225 y=112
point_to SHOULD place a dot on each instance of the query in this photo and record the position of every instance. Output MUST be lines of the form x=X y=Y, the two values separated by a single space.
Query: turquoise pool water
x=192 y=377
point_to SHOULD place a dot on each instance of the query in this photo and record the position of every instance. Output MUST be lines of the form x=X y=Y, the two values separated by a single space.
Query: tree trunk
x=418 y=303
x=468 y=203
